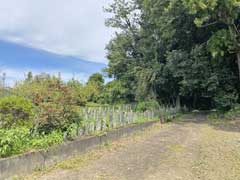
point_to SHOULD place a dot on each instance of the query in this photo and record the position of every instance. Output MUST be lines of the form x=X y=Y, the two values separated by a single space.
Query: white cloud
x=68 y=27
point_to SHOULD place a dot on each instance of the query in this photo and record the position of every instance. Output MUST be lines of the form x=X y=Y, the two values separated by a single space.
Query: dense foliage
x=16 y=111
x=170 y=50
x=165 y=53
x=54 y=101
x=18 y=140
x=43 y=110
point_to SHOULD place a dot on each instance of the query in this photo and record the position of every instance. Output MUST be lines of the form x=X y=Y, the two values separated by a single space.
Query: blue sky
x=56 y=35
x=16 y=60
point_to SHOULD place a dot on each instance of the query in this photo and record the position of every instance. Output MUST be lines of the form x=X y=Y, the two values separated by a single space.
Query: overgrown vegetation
x=43 y=110
x=178 y=53
x=21 y=139
x=15 y=111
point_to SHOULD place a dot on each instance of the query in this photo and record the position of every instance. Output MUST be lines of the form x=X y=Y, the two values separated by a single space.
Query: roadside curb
x=27 y=163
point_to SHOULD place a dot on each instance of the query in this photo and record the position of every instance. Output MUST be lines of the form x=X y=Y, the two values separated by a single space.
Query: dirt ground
x=193 y=149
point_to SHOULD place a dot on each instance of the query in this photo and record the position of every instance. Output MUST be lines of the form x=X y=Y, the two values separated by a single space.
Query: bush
x=43 y=141
x=147 y=105
x=77 y=90
x=18 y=140
x=13 y=141
x=233 y=113
x=54 y=116
x=16 y=111
x=72 y=131
x=114 y=92
x=55 y=102
x=225 y=101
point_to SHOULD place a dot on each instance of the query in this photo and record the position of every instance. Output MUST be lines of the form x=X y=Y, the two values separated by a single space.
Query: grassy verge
x=219 y=152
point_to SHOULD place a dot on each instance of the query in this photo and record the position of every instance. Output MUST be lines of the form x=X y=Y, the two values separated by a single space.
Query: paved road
x=178 y=151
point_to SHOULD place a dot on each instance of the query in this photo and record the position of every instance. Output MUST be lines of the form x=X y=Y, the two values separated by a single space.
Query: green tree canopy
x=165 y=50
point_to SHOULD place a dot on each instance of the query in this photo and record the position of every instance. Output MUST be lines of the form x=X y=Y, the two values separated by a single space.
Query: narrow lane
x=173 y=152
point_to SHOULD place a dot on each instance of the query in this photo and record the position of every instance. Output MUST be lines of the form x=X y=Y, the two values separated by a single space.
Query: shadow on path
x=220 y=124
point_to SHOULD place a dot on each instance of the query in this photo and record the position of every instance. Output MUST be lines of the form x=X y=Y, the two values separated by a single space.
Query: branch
x=210 y=24
x=235 y=27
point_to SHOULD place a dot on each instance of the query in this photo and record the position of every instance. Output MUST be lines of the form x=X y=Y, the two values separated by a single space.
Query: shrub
x=147 y=105
x=114 y=92
x=225 y=101
x=18 y=140
x=44 y=141
x=15 y=111
x=54 y=100
x=55 y=116
x=77 y=90
x=233 y=113
x=72 y=131
x=13 y=141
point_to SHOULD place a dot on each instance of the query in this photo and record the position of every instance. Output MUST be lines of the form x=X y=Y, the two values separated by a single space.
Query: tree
x=29 y=76
x=96 y=78
x=114 y=92
x=139 y=58
x=226 y=14
x=161 y=54
x=94 y=87
x=77 y=89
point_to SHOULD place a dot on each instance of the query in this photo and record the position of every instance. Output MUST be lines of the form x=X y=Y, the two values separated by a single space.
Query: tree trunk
x=238 y=61
x=178 y=103
x=194 y=101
